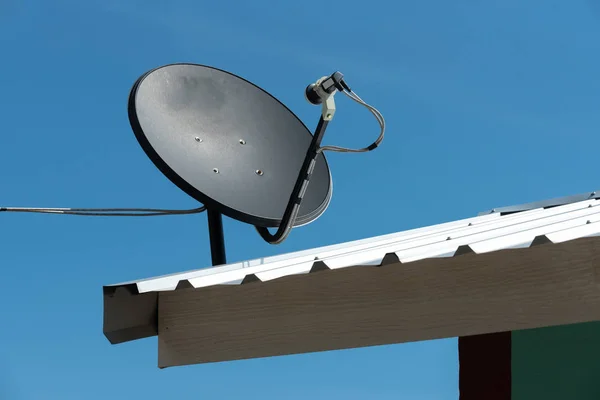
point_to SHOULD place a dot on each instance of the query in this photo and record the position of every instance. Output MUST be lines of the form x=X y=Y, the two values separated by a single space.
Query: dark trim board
x=485 y=363
x=132 y=315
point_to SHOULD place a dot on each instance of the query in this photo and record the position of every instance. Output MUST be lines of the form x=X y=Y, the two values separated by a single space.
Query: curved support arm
x=293 y=207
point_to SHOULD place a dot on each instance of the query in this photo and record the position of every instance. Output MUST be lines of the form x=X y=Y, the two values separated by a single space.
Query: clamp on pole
x=322 y=92
x=325 y=98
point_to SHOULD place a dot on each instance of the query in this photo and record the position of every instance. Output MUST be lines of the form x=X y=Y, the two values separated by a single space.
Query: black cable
x=105 y=212
x=352 y=95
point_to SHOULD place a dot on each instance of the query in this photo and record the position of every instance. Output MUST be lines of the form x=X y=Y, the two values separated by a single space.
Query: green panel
x=557 y=363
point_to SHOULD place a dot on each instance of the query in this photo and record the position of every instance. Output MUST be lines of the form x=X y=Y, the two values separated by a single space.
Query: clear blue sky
x=487 y=103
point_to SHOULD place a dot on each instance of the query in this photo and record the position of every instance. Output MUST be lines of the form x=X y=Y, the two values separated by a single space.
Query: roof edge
x=130 y=316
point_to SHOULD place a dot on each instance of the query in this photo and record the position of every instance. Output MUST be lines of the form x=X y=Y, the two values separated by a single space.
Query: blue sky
x=487 y=104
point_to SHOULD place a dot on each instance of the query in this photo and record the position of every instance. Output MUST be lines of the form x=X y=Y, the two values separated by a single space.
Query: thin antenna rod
x=217 y=239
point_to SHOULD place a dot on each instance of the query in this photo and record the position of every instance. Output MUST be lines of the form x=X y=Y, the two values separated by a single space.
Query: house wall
x=555 y=363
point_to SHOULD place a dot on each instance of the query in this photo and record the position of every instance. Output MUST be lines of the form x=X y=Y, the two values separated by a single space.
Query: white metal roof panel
x=481 y=234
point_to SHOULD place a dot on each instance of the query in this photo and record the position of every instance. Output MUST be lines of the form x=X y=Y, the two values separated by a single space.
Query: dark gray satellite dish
x=226 y=142
x=234 y=147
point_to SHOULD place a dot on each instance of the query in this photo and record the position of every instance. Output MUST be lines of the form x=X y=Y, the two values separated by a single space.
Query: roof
x=497 y=229
x=131 y=308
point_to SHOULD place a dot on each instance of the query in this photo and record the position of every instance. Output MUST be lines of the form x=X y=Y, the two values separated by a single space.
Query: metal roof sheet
x=481 y=234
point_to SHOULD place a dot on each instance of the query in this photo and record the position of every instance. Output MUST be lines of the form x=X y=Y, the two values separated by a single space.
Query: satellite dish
x=233 y=147
x=227 y=143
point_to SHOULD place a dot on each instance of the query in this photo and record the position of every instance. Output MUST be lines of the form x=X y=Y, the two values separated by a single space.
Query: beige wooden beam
x=547 y=284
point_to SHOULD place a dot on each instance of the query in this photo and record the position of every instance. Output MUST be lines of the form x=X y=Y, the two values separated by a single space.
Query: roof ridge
x=558 y=201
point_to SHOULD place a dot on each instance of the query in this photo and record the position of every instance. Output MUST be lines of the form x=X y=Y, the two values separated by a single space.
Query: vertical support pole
x=485 y=366
x=217 y=239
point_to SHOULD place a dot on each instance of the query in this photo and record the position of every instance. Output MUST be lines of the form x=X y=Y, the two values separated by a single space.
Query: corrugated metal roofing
x=481 y=234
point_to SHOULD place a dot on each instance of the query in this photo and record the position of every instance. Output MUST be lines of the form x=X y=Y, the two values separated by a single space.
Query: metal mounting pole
x=293 y=206
x=217 y=239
